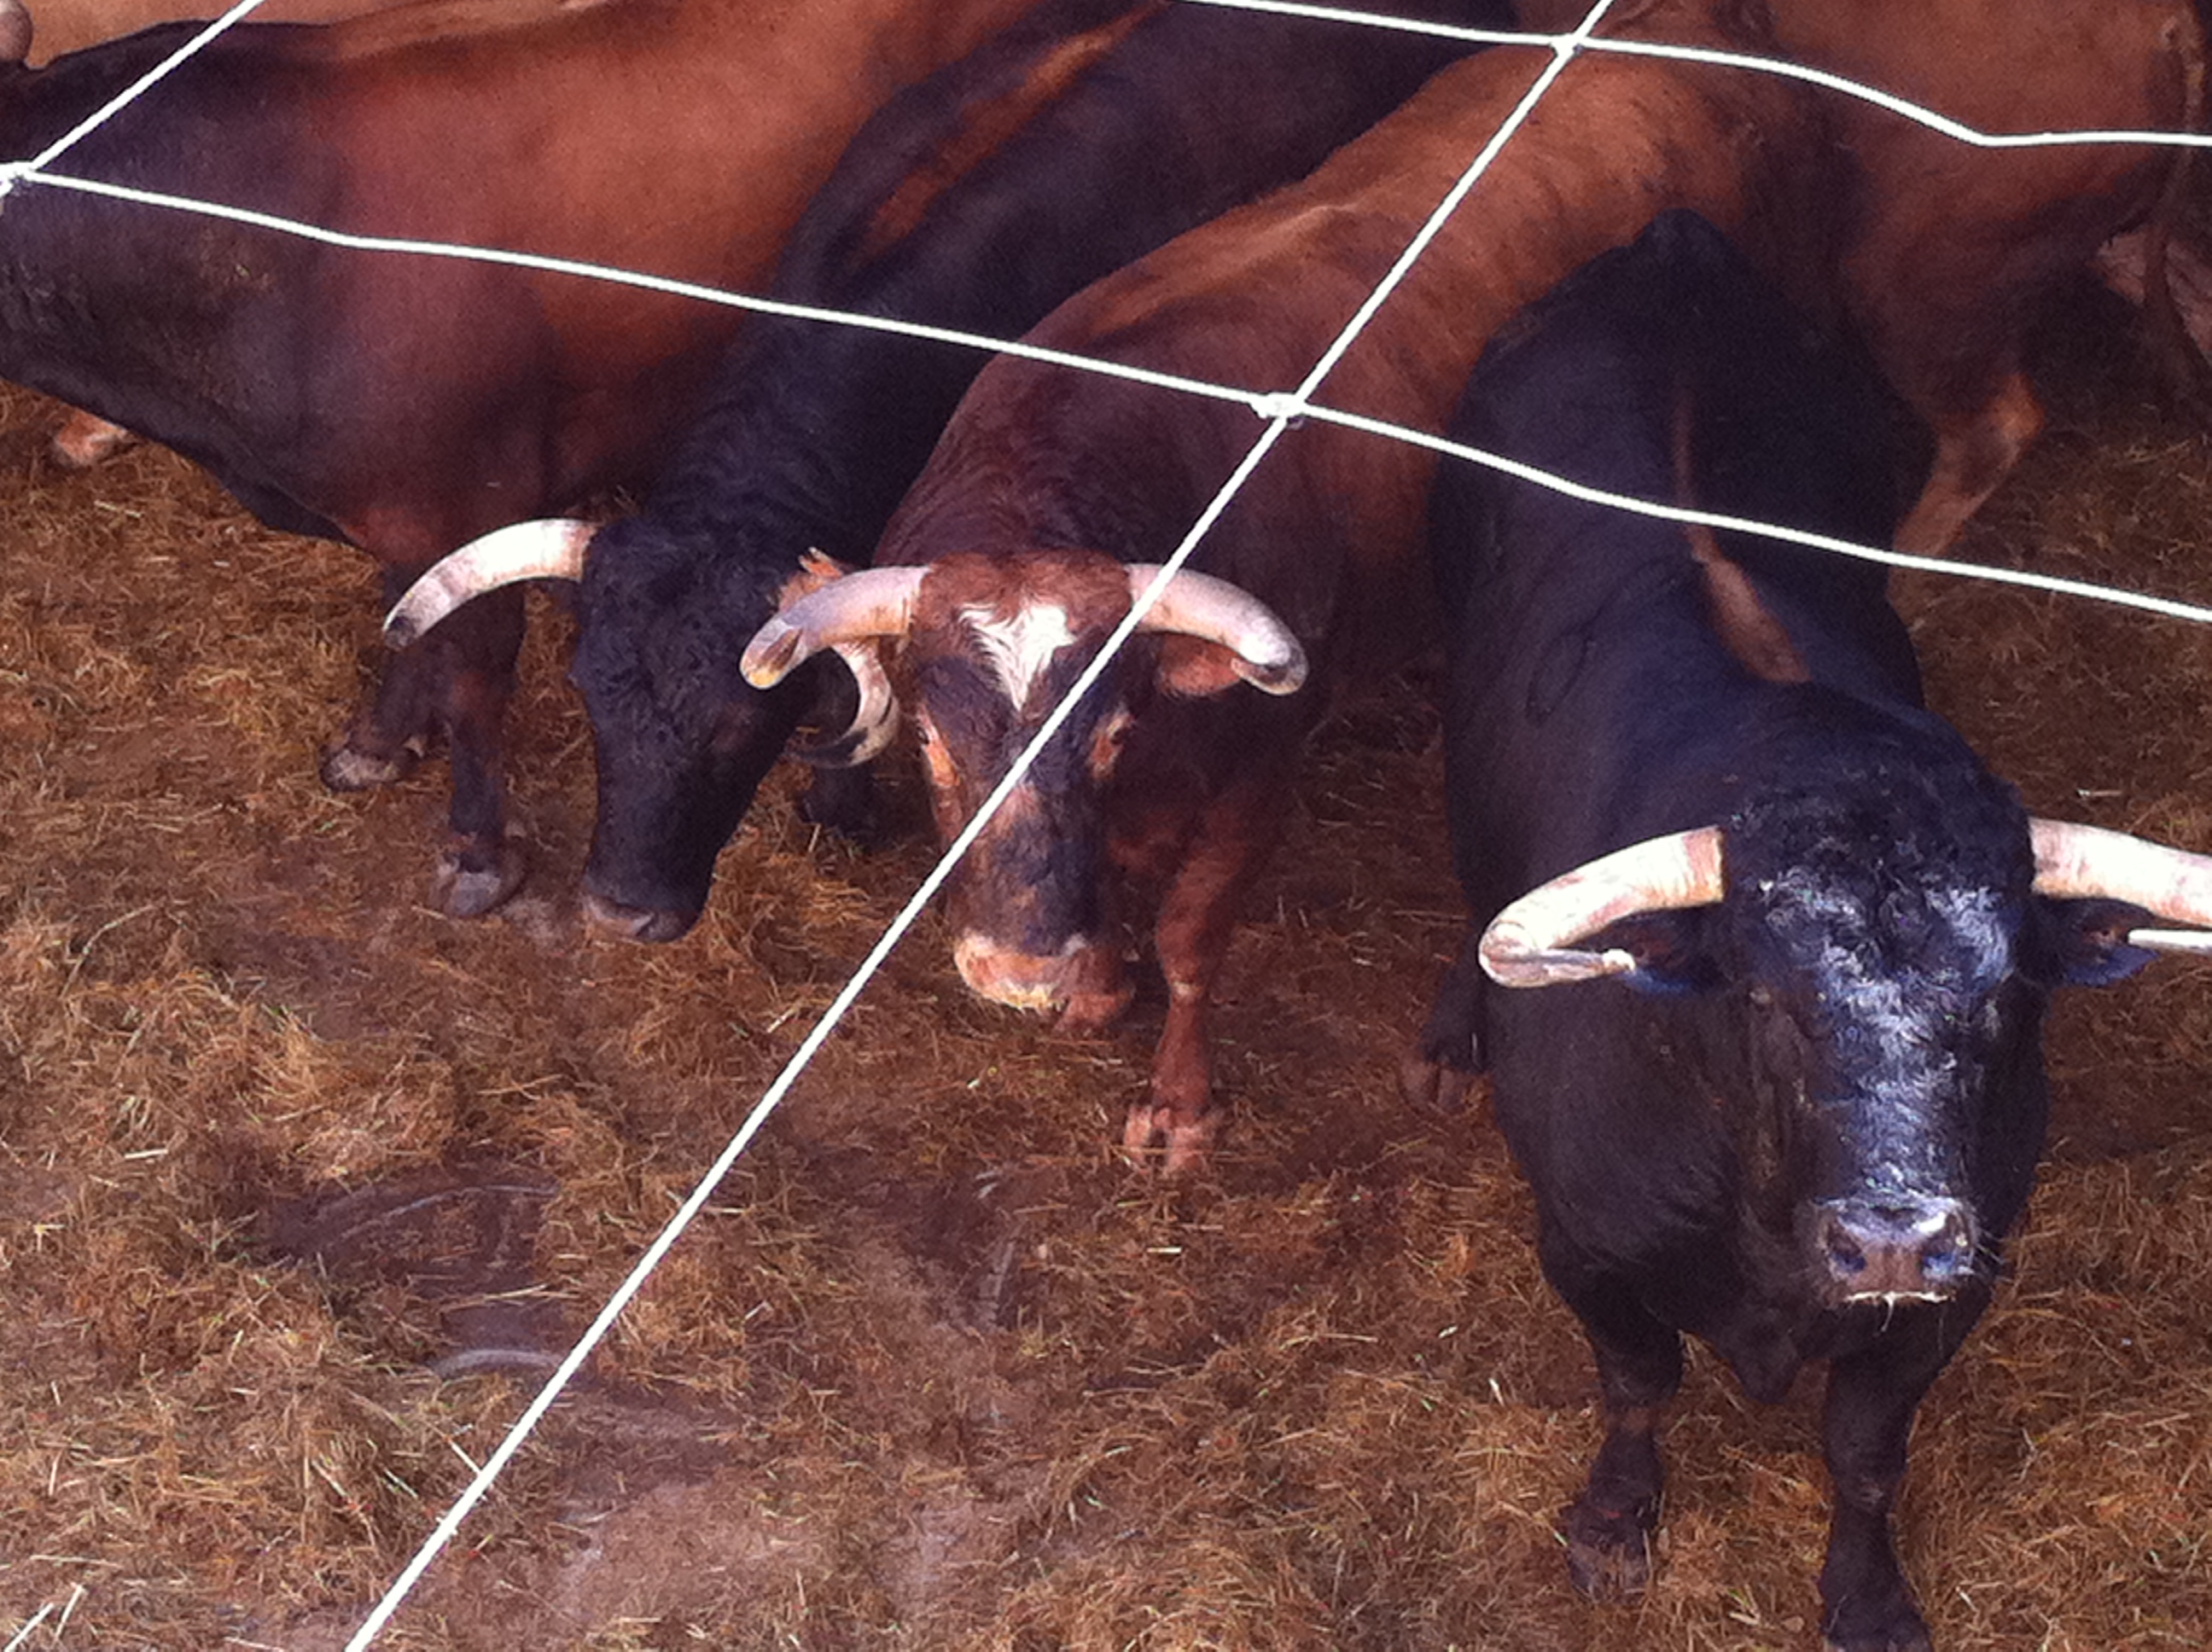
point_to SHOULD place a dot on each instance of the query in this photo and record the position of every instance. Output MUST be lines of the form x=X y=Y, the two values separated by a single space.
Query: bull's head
x=683 y=740
x=988 y=645
x=1889 y=998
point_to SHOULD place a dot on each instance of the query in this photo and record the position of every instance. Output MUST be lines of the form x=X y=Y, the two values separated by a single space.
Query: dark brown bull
x=408 y=404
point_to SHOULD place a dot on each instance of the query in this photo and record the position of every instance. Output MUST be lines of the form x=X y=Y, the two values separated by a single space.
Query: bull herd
x=1782 y=1087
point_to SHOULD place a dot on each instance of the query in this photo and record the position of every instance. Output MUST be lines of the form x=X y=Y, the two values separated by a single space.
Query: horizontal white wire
x=1783 y=67
x=546 y=263
x=1266 y=404
x=2164 y=607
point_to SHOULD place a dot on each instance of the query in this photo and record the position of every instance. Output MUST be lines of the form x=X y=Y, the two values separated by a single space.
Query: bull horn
x=551 y=550
x=2077 y=862
x=1531 y=943
x=1268 y=656
x=873 y=724
x=15 y=31
x=877 y=602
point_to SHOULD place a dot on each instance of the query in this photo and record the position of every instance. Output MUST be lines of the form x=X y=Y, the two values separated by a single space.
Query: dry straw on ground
x=939 y=1371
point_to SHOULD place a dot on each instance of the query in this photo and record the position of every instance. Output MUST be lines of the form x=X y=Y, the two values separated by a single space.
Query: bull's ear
x=2085 y=942
x=1192 y=669
x=1669 y=947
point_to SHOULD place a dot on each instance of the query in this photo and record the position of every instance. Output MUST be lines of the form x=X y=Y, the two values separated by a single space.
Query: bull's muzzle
x=617 y=921
x=1904 y=1248
x=1083 y=982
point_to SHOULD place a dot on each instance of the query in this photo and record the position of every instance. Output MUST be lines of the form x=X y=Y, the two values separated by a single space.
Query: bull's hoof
x=1899 y=1630
x=465 y=887
x=85 y=440
x=1609 y=1547
x=1914 y=1639
x=1184 y=1145
x=612 y=921
x=1087 y=1012
x=347 y=768
x=1433 y=1087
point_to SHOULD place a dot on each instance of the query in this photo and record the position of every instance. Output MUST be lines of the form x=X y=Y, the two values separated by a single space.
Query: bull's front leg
x=455 y=682
x=1609 y=1527
x=1197 y=912
x=1975 y=450
x=1866 y=1604
x=1438 y=1073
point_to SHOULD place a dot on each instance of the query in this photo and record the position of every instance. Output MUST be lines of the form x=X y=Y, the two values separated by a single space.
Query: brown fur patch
x=993 y=122
x=817 y=568
x=1754 y=637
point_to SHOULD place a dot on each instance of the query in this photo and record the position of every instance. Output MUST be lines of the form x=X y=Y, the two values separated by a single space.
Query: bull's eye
x=1106 y=745
x=941 y=774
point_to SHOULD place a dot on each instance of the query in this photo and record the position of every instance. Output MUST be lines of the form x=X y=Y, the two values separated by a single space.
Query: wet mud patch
x=461 y=1241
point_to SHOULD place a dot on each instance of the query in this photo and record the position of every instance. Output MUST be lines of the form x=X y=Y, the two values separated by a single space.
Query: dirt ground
x=302 y=1186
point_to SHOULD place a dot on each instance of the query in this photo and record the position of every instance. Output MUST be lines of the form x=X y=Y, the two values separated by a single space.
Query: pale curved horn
x=15 y=31
x=2077 y=862
x=550 y=549
x=877 y=602
x=873 y=724
x=1268 y=656
x=1531 y=943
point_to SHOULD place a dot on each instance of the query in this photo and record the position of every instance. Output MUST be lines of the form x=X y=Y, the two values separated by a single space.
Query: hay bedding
x=939 y=1371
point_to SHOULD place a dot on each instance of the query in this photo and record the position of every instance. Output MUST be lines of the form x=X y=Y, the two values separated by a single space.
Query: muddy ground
x=302 y=1186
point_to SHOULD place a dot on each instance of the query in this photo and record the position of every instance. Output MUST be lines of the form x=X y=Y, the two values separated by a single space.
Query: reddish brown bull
x=67 y=26
x=1171 y=780
x=407 y=404
x=2001 y=231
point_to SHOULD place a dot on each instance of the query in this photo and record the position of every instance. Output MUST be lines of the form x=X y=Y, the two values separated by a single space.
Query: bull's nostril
x=1925 y=1249
x=1845 y=1257
x=1946 y=1254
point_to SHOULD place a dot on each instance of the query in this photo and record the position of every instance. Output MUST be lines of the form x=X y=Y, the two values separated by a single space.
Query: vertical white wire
x=24 y=1633
x=1015 y=773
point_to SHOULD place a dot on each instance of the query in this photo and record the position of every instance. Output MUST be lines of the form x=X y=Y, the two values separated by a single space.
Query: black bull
x=978 y=200
x=1801 y=1122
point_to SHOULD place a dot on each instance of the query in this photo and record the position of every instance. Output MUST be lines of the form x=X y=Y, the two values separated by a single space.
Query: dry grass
x=939 y=1371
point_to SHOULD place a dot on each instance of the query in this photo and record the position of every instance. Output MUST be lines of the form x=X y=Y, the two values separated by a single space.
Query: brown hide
x=1328 y=532
x=63 y=26
x=680 y=137
x=1950 y=250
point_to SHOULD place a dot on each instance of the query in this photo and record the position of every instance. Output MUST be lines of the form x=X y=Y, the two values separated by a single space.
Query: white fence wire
x=1278 y=408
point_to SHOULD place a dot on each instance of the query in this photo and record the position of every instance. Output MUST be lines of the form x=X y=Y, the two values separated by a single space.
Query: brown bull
x=408 y=404
x=2000 y=231
x=1170 y=782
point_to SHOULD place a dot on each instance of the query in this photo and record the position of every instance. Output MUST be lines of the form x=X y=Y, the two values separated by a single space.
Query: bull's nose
x=1921 y=1247
x=1084 y=981
x=1005 y=975
x=619 y=922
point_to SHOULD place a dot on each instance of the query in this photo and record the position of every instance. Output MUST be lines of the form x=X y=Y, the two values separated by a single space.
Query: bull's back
x=1330 y=530
x=62 y=26
x=1670 y=662
x=680 y=136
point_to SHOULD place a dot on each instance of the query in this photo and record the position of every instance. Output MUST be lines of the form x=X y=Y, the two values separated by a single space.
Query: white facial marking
x=1021 y=647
